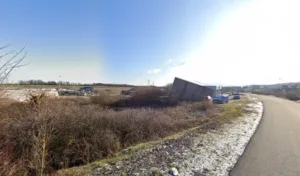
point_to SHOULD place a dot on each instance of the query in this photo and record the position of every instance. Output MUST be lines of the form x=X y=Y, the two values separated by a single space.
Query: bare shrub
x=144 y=97
x=148 y=93
x=173 y=100
x=105 y=99
x=8 y=164
x=75 y=132
x=201 y=106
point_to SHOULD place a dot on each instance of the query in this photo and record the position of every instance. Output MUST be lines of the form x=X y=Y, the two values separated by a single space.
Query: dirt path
x=274 y=150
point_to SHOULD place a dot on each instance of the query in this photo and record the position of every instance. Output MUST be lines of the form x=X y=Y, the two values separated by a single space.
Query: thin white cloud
x=169 y=61
x=181 y=63
x=154 y=71
x=257 y=43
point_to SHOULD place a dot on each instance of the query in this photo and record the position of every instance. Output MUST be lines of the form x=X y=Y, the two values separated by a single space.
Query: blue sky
x=132 y=41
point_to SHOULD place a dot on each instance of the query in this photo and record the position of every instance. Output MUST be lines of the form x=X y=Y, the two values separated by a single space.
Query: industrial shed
x=190 y=91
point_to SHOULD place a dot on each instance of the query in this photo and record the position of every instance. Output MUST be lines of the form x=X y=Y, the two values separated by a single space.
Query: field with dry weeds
x=45 y=134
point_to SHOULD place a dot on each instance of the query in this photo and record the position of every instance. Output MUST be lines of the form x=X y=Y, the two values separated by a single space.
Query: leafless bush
x=142 y=97
x=148 y=93
x=201 y=106
x=146 y=97
x=105 y=99
x=75 y=132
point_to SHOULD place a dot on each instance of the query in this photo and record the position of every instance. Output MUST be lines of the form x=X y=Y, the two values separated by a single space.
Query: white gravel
x=217 y=151
x=23 y=94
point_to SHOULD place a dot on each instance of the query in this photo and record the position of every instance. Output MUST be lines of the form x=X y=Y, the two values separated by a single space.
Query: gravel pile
x=23 y=94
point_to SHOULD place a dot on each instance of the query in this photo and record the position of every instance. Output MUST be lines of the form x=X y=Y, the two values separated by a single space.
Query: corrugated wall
x=188 y=91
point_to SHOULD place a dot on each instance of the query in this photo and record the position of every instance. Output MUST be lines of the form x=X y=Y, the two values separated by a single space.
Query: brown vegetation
x=141 y=97
x=44 y=134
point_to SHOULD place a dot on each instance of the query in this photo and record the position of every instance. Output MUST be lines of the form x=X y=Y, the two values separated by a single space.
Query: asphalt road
x=274 y=149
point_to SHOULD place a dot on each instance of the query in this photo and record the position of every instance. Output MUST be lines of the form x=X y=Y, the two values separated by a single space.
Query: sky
x=223 y=42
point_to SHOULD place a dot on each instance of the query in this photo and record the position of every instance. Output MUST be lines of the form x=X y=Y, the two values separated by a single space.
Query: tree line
x=41 y=82
x=67 y=83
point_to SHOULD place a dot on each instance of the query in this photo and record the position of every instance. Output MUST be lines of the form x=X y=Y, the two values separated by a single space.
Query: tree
x=169 y=87
x=9 y=61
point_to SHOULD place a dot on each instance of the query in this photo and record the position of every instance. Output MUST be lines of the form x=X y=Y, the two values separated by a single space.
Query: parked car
x=64 y=92
x=236 y=96
x=86 y=90
x=222 y=98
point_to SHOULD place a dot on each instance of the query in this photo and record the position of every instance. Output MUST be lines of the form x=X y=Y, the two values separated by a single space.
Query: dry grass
x=142 y=97
x=78 y=131
x=105 y=99
x=200 y=106
x=109 y=90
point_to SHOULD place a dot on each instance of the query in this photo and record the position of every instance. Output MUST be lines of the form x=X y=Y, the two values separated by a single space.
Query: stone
x=173 y=171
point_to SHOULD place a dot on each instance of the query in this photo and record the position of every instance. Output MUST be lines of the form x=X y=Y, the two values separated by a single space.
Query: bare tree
x=10 y=60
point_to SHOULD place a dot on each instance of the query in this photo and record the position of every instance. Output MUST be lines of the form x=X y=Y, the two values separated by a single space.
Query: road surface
x=274 y=149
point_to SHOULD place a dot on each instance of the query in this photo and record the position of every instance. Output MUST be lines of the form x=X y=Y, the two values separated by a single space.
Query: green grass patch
x=76 y=171
x=232 y=110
